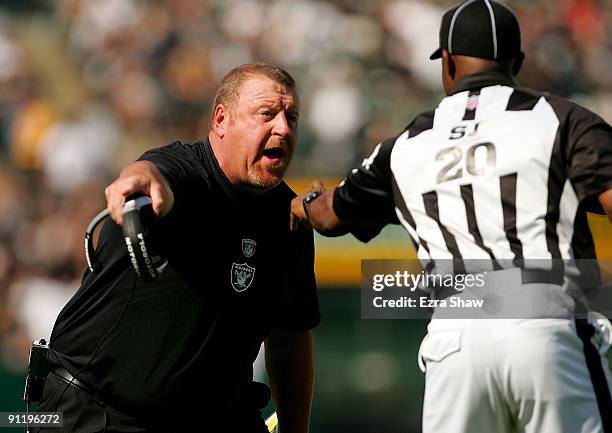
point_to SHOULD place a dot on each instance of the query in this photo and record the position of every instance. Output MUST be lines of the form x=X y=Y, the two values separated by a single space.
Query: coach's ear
x=518 y=63
x=219 y=120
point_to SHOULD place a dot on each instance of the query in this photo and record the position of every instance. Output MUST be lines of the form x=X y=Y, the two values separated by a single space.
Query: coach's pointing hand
x=139 y=178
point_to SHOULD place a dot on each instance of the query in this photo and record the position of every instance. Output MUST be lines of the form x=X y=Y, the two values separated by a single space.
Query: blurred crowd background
x=87 y=85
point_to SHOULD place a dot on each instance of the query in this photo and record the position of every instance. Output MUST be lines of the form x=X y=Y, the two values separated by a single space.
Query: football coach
x=176 y=354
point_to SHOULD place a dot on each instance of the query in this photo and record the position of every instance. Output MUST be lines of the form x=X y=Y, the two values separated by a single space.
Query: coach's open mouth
x=275 y=155
x=274 y=152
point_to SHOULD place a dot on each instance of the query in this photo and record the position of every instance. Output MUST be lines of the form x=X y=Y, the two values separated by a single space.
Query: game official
x=504 y=175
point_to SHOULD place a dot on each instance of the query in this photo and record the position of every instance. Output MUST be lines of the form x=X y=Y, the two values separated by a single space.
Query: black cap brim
x=436 y=54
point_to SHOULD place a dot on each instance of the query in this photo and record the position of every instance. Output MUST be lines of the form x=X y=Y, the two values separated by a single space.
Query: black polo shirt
x=189 y=340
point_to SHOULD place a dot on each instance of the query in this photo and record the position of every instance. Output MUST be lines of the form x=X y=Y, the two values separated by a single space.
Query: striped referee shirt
x=495 y=172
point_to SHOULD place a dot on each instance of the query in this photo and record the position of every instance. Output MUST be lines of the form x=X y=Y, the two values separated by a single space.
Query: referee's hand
x=139 y=178
x=298 y=213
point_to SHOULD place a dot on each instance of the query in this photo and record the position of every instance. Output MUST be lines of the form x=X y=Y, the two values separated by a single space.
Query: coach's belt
x=71 y=380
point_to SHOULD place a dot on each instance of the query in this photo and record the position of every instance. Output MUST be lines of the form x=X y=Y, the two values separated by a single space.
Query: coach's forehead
x=260 y=89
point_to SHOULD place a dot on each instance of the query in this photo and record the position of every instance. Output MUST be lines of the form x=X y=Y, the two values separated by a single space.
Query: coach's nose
x=281 y=124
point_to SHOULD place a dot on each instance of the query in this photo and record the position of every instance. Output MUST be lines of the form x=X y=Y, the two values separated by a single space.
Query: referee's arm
x=362 y=204
x=605 y=199
x=320 y=214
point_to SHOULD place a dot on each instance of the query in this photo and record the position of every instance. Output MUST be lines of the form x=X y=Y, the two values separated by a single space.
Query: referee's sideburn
x=502 y=175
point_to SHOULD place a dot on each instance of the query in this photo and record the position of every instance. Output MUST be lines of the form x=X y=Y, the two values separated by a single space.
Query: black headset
x=138 y=216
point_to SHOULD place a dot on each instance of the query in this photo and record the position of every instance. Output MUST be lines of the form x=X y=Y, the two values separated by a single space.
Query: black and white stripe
x=516 y=210
x=494 y=172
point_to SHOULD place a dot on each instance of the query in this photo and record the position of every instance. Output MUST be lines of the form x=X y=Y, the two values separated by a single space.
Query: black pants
x=83 y=413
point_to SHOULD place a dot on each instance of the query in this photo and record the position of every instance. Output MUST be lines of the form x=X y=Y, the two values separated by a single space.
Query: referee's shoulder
x=563 y=107
x=422 y=122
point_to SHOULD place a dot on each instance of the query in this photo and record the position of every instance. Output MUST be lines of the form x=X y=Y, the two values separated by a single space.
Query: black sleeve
x=301 y=312
x=364 y=200
x=178 y=163
x=589 y=155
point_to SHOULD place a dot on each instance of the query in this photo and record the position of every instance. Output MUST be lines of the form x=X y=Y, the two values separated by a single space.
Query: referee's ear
x=449 y=71
x=449 y=63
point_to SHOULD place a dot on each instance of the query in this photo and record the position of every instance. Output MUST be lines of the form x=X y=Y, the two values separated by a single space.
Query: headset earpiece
x=137 y=217
x=94 y=265
x=135 y=213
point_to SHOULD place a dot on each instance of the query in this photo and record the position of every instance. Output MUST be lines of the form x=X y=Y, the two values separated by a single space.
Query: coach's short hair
x=229 y=88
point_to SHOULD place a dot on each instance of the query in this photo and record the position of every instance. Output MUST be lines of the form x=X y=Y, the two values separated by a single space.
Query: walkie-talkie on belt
x=37 y=371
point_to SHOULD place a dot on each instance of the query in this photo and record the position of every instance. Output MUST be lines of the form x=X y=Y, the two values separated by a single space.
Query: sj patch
x=242 y=276
x=248 y=247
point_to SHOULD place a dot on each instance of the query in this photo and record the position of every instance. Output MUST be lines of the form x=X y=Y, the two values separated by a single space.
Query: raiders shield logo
x=248 y=247
x=242 y=276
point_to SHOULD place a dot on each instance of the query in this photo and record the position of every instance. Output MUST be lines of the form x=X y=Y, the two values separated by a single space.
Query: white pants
x=498 y=376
